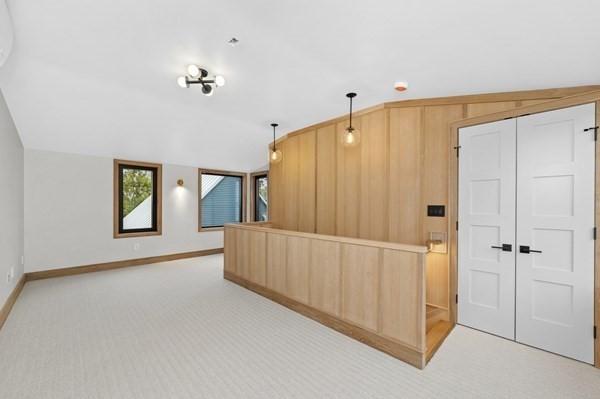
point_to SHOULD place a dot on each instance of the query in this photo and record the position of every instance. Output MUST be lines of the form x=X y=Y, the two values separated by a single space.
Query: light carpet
x=178 y=330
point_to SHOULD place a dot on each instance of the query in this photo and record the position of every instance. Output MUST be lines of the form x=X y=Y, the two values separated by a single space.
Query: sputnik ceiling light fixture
x=198 y=75
x=351 y=136
x=275 y=156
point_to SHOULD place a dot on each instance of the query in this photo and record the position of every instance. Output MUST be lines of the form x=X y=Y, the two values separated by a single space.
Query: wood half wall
x=380 y=189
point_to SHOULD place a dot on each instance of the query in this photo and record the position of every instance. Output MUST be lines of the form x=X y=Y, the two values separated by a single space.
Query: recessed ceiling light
x=400 y=86
x=233 y=41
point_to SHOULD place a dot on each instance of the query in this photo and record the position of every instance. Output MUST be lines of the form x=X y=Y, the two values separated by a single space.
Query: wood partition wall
x=371 y=291
x=380 y=189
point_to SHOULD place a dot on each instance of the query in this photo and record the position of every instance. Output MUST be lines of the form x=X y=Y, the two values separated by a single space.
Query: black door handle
x=524 y=249
x=504 y=247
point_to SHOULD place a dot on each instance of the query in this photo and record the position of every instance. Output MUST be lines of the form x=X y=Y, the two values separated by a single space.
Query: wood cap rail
x=421 y=249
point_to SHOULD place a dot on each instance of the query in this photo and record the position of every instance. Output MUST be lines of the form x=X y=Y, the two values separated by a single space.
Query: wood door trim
x=579 y=99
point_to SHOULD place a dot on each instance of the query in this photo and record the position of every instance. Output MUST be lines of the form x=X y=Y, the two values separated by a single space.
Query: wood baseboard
x=12 y=298
x=403 y=352
x=69 y=271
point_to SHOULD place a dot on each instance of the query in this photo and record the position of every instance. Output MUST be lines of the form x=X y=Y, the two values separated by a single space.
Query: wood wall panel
x=489 y=108
x=257 y=263
x=373 y=215
x=404 y=174
x=360 y=285
x=307 y=181
x=348 y=192
x=241 y=253
x=402 y=271
x=326 y=180
x=297 y=268
x=434 y=191
x=291 y=170
x=325 y=277
x=347 y=185
x=276 y=262
x=229 y=237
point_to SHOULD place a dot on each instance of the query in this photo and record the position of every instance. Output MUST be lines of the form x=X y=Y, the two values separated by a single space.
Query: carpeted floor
x=178 y=330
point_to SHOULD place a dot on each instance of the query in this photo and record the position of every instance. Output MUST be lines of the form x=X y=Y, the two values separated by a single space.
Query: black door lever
x=524 y=249
x=504 y=247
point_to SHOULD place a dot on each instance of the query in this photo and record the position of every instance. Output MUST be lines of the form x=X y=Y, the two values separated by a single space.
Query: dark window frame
x=254 y=193
x=156 y=169
x=214 y=172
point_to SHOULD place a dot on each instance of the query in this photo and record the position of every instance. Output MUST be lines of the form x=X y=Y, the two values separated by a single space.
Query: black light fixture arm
x=351 y=96
x=274 y=126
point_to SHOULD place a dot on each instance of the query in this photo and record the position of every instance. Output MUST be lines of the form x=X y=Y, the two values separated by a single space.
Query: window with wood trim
x=137 y=199
x=259 y=196
x=222 y=198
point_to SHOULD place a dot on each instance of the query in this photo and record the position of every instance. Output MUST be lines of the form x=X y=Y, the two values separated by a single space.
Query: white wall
x=69 y=213
x=11 y=202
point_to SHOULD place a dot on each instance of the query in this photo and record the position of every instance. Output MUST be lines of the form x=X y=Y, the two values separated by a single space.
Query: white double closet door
x=526 y=230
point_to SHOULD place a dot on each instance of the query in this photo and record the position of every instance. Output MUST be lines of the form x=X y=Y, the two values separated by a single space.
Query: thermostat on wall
x=436 y=210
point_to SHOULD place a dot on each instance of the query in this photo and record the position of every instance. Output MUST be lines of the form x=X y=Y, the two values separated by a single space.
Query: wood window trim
x=223 y=173
x=253 y=176
x=117 y=163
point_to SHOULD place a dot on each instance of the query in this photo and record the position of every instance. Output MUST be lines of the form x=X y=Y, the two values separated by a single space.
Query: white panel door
x=486 y=209
x=555 y=216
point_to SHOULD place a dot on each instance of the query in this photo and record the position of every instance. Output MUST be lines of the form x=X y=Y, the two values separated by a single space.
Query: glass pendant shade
x=351 y=137
x=276 y=156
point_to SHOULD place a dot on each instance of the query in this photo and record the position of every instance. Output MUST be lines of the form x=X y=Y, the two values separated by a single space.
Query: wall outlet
x=136 y=246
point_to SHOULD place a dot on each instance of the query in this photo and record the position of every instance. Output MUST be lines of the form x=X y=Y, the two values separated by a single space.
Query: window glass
x=221 y=200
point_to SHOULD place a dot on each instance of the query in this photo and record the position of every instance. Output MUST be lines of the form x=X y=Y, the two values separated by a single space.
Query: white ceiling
x=98 y=77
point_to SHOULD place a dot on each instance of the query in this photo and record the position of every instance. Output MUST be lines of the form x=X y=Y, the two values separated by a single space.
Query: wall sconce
x=438 y=242
x=180 y=182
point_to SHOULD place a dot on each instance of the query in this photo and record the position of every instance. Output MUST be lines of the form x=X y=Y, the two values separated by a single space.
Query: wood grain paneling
x=325 y=277
x=489 y=108
x=297 y=268
x=403 y=271
x=307 y=181
x=276 y=262
x=343 y=281
x=373 y=215
x=257 y=252
x=230 y=241
x=404 y=176
x=360 y=285
x=291 y=170
x=434 y=191
x=326 y=180
x=348 y=185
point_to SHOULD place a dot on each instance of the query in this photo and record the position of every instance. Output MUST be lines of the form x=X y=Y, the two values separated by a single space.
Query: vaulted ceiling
x=99 y=77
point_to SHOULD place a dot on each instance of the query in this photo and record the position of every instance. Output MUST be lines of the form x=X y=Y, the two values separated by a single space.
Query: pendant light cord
x=350 y=113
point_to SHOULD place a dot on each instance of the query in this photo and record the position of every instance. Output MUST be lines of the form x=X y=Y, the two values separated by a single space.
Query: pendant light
x=275 y=156
x=351 y=136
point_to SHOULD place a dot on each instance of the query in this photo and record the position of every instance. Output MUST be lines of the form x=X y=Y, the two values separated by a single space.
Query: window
x=137 y=198
x=222 y=198
x=260 y=196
